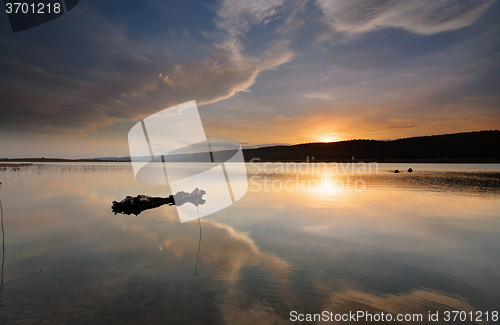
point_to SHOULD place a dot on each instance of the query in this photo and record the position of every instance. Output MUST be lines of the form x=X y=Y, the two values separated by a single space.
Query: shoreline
x=29 y=161
x=15 y=165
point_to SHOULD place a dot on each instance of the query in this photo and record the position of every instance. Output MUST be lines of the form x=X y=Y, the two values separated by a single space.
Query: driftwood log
x=135 y=205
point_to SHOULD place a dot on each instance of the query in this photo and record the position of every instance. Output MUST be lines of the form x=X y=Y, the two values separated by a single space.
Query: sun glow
x=329 y=138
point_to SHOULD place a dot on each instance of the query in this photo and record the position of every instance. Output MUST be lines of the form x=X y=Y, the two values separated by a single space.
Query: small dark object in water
x=410 y=170
x=135 y=205
x=396 y=171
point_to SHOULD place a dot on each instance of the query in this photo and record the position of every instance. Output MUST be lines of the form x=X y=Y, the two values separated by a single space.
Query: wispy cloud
x=318 y=95
x=237 y=16
x=418 y=16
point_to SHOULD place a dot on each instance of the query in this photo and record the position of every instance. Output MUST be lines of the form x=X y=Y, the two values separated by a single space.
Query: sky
x=262 y=72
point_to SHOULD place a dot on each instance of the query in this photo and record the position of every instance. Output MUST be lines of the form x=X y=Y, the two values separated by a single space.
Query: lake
x=336 y=241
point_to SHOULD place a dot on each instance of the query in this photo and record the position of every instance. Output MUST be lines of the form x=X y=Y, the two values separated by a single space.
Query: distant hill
x=481 y=146
x=471 y=146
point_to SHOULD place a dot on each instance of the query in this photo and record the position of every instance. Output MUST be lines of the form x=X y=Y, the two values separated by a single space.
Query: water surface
x=401 y=243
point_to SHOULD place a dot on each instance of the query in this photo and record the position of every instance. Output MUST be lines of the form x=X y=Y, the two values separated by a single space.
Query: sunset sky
x=262 y=72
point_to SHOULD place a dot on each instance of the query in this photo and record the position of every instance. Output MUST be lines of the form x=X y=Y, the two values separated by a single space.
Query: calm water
x=396 y=243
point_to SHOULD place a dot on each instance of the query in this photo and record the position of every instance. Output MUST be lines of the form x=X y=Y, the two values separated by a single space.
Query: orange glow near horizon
x=329 y=138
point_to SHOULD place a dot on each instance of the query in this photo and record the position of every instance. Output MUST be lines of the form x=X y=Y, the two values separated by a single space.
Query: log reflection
x=140 y=203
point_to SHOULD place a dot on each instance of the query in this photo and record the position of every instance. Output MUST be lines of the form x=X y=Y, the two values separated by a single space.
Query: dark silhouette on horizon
x=470 y=145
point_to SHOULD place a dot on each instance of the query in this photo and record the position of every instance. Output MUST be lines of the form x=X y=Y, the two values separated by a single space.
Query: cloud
x=216 y=77
x=422 y=17
x=236 y=16
x=129 y=77
x=403 y=126
x=227 y=70
x=318 y=95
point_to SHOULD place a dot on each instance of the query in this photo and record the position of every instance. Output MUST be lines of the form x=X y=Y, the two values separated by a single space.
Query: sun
x=329 y=138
